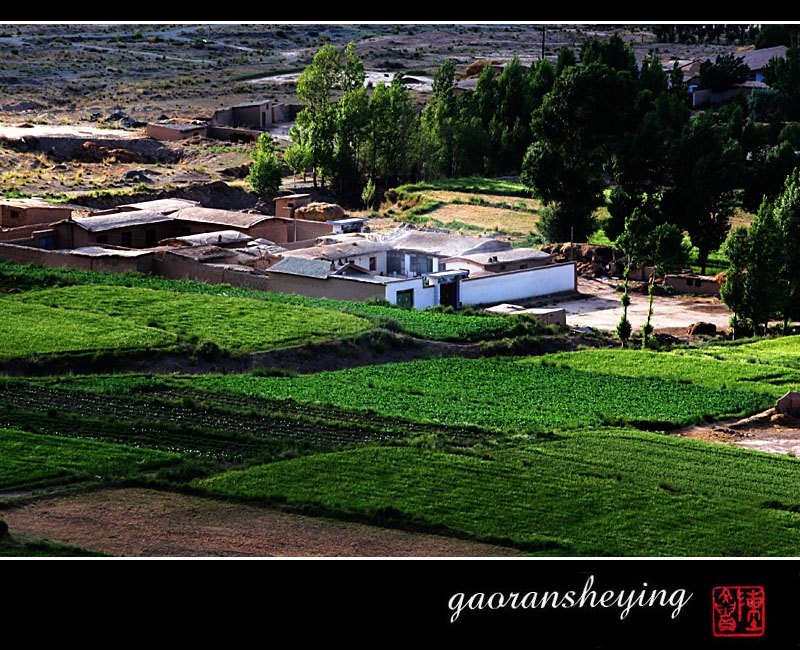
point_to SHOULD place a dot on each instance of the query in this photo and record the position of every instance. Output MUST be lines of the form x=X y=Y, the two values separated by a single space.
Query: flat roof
x=302 y=266
x=178 y=127
x=164 y=206
x=220 y=217
x=119 y=220
x=348 y=221
x=292 y=196
x=41 y=203
x=99 y=251
x=249 y=104
x=216 y=237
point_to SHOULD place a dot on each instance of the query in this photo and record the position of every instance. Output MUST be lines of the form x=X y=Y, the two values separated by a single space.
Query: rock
x=93 y=152
x=789 y=404
x=708 y=329
x=138 y=176
x=236 y=172
x=116 y=117
x=319 y=212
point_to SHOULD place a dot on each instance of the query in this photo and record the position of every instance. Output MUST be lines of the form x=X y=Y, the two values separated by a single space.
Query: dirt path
x=12 y=131
x=142 y=522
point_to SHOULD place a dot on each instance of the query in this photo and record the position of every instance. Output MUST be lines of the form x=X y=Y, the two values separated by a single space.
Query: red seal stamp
x=738 y=611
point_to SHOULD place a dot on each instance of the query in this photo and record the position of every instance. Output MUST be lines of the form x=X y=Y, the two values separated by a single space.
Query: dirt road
x=142 y=522
x=601 y=309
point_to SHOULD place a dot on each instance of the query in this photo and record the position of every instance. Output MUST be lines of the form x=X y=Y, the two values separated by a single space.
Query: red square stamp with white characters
x=738 y=611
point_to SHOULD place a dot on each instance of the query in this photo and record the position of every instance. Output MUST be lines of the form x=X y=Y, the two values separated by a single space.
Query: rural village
x=398 y=290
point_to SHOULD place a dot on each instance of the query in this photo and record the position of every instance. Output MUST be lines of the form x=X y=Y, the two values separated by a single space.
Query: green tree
x=368 y=194
x=783 y=75
x=267 y=170
x=786 y=210
x=762 y=289
x=566 y=59
x=727 y=71
x=732 y=291
x=706 y=170
x=439 y=124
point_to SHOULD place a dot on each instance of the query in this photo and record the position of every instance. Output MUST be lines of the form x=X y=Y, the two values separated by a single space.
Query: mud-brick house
x=286 y=205
x=137 y=229
x=28 y=212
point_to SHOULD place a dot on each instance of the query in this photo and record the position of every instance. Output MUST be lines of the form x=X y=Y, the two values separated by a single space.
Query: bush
x=3 y=529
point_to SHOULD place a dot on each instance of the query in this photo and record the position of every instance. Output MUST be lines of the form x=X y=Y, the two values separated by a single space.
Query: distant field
x=596 y=492
x=501 y=392
x=237 y=324
x=709 y=370
x=782 y=351
x=30 y=460
x=32 y=329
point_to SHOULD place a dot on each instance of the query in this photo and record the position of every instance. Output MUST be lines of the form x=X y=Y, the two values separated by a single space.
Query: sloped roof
x=164 y=206
x=442 y=244
x=120 y=220
x=99 y=251
x=337 y=251
x=204 y=253
x=758 y=59
x=501 y=257
x=302 y=266
x=220 y=217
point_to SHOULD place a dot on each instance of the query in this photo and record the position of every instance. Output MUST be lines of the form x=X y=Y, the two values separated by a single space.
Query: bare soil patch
x=143 y=522
x=763 y=432
x=599 y=307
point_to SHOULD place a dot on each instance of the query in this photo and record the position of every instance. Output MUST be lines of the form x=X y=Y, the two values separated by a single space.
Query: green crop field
x=604 y=492
x=30 y=460
x=679 y=366
x=420 y=323
x=237 y=324
x=501 y=392
x=31 y=329
x=783 y=351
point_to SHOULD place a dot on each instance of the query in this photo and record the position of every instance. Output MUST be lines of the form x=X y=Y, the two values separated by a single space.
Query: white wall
x=462 y=265
x=363 y=261
x=518 y=285
x=424 y=297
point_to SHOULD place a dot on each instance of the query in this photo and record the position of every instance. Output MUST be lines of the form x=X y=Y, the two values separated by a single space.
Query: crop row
x=564 y=496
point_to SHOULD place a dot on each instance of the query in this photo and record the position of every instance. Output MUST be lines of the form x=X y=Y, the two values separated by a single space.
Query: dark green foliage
x=783 y=75
x=266 y=171
x=727 y=71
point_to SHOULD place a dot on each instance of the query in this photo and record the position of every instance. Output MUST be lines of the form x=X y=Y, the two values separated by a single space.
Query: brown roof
x=341 y=250
x=442 y=244
x=220 y=217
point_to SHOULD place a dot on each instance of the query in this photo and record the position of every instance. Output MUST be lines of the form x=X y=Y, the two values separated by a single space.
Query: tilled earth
x=144 y=522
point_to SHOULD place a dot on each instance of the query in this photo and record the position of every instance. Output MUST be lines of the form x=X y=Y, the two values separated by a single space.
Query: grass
x=420 y=323
x=596 y=492
x=31 y=329
x=783 y=351
x=680 y=366
x=475 y=185
x=234 y=324
x=30 y=460
x=503 y=393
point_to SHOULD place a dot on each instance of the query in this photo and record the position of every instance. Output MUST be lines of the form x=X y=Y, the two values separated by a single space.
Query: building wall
x=284 y=205
x=336 y=288
x=424 y=297
x=281 y=113
x=694 y=285
x=30 y=216
x=40 y=257
x=166 y=134
x=518 y=285
x=232 y=134
x=463 y=266
x=70 y=235
x=363 y=261
x=306 y=229
x=252 y=116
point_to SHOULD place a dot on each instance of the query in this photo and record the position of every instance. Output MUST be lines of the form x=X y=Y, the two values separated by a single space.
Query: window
x=405 y=298
x=523 y=266
x=150 y=237
x=126 y=239
x=373 y=263
x=15 y=214
x=102 y=239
